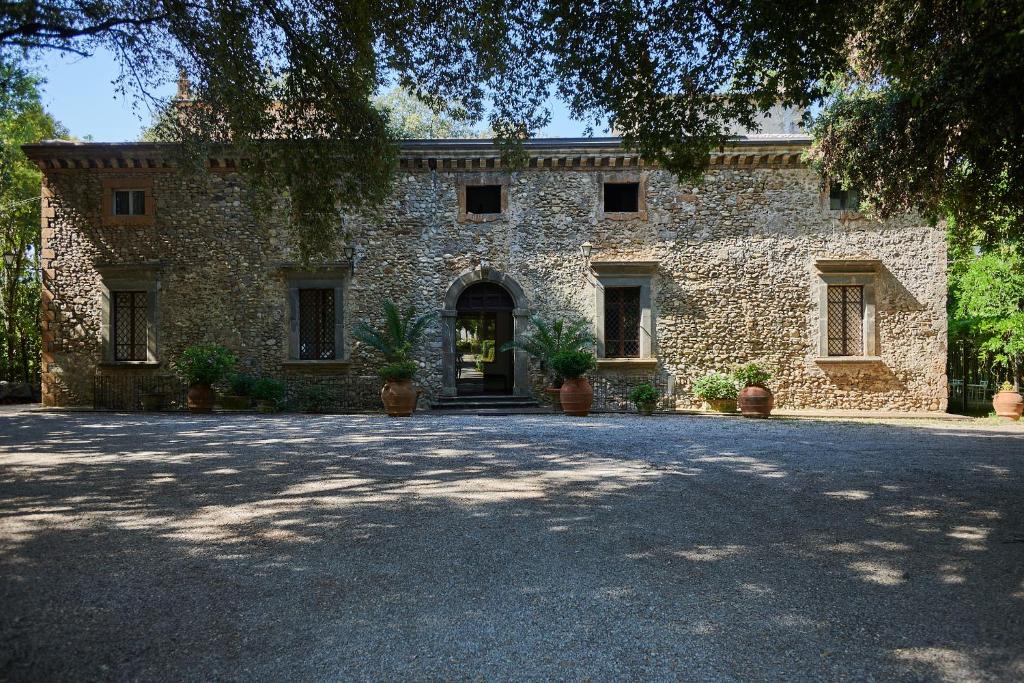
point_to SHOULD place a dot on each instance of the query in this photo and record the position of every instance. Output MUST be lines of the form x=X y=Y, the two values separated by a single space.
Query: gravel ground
x=530 y=548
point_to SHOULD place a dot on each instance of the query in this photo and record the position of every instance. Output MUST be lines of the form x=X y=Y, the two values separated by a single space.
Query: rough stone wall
x=735 y=280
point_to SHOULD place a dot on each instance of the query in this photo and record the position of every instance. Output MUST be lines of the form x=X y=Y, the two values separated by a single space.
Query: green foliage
x=751 y=375
x=411 y=117
x=205 y=363
x=548 y=339
x=716 y=386
x=241 y=384
x=315 y=399
x=268 y=389
x=398 y=371
x=643 y=395
x=401 y=331
x=573 y=364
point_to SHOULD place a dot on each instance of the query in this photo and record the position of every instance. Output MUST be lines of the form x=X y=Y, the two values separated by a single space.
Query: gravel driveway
x=529 y=548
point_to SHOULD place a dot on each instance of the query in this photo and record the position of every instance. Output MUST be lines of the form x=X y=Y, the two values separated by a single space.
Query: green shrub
x=715 y=386
x=573 y=364
x=205 y=363
x=315 y=399
x=268 y=389
x=398 y=371
x=751 y=375
x=241 y=384
x=643 y=395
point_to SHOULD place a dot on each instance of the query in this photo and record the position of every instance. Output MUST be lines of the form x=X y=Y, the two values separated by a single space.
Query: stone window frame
x=859 y=272
x=122 y=183
x=477 y=179
x=638 y=177
x=133 y=279
x=627 y=274
x=336 y=276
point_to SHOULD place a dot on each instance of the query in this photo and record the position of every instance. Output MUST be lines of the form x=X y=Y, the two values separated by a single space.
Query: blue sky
x=80 y=93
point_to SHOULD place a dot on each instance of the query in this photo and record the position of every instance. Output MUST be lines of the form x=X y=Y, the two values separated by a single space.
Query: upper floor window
x=622 y=322
x=621 y=197
x=129 y=202
x=130 y=322
x=843 y=200
x=483 y=199
x=845 y=320
x=316 y=324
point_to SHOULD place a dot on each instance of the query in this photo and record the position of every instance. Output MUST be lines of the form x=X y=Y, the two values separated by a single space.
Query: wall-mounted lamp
x=586 y=248
x=350 y=256
x=9 y=259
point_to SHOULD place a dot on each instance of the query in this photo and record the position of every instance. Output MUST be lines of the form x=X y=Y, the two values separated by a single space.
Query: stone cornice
x=429 y=155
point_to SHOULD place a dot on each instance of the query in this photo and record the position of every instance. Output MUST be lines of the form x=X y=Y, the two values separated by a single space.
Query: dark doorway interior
x=483 y=325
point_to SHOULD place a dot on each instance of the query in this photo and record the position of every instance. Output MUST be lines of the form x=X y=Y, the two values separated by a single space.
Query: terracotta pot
x=756 y=401
x=646 y=408
x=1008 y=404
x=200 y=398
x=555 y=394
x=721 y=405
x=577 y=396
x=399 y=397
x=232 y=402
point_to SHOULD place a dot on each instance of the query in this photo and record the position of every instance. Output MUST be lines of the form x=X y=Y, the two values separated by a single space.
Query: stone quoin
x=750 y=263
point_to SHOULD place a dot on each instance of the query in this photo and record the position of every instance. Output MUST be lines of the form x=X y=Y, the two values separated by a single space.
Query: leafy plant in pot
x=576 y=393
x=718 y=391
x=755 y=399
x=240 y=387
x=645 y=398
x=401 y=331
x=202 y=366
x=548 y=339
x=268 y=393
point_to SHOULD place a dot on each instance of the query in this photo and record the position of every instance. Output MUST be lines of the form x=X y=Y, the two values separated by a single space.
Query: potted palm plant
x=576 y=393
x=718 y=391
x=547 y=340
x=202 y=366
x=755 y=399
x=401 y=331
x=645 y=398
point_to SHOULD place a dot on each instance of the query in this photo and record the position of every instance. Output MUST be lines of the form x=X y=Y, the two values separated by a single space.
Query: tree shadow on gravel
x=154 y=547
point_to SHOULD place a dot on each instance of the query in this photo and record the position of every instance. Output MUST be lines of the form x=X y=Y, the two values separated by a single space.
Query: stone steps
x=494 y=405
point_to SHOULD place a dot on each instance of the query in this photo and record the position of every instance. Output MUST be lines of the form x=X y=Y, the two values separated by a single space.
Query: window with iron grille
x=622 y=322
x=316 y=324
x=845 y=320
x=131 y=323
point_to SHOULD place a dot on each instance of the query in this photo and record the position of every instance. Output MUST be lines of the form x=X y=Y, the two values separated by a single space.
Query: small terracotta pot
x=577 y=396
x=646 y=408
x=232 y=402
x=200 y=398
x=555 y=394
x=1008 y=404
x=720 y=405
x=399 y=397
x=756 y=401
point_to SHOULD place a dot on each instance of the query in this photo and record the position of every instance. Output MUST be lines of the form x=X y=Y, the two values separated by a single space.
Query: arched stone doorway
x=483 y=308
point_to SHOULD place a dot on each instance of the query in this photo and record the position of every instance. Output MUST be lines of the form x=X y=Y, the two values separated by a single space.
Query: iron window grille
x=845 y=320
x=622 y=322
x=131 y=322
x=129 y=202
x=316 y=324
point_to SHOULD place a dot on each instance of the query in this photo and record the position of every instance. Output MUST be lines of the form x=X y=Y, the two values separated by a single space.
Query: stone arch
x=520 y=316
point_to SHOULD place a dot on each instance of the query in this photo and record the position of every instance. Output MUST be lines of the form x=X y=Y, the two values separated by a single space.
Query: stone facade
x=734 y=266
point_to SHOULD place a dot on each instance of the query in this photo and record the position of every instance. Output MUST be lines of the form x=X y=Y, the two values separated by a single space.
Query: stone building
x=760 y=260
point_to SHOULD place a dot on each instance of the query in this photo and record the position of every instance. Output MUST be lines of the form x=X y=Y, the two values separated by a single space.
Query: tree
x=924 y=99
x=409 y=117
x=22 y=120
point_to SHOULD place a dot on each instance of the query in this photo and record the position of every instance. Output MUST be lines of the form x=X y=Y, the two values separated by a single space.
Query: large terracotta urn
x=756 y=401
x=399 y=397
x=577 y=396
x=1008 y=404
x=200 y=398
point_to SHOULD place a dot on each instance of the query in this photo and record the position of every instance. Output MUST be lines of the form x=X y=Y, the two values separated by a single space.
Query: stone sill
x=317 y=365
x=848 y=359
x=624 y=215
x=136 y=364
x=627 y=363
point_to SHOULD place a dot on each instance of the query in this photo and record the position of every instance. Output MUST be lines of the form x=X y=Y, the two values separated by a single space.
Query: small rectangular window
x=483 y=199
x=621 y=197
x=843 y=200
x=845 y=320
x=622 y=322
x=131 y=322
x=316 y=324
x=129 y=202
